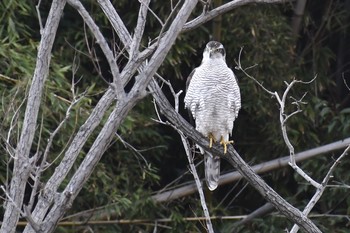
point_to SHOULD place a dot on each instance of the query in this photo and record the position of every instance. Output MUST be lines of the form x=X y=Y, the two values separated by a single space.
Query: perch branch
x=190 y=160
x=233 y=157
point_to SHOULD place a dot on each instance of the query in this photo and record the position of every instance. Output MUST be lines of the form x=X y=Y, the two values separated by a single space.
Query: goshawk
x=213 y=97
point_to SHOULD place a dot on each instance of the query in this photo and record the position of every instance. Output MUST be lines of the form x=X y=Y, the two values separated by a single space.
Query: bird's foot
x=225 y=143
x=211 y=140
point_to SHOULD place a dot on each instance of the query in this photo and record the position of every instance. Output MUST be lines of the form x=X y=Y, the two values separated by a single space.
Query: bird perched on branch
x=213 y=97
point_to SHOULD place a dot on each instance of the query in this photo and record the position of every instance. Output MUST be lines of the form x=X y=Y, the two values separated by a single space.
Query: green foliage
x=145 y=156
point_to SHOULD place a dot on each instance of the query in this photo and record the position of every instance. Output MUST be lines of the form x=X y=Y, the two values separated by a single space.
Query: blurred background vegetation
x=145 y=156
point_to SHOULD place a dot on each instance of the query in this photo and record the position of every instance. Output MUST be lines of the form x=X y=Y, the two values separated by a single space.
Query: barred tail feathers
x=212 y=170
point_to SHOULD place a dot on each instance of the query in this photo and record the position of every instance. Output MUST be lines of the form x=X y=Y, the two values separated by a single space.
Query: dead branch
x=190 y=156
x=320 y=190
x=188 y=189
x=236 y=161
x=209 y=15
x=22 y=166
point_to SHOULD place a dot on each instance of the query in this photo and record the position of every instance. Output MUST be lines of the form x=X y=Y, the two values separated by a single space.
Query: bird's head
x=214 y=50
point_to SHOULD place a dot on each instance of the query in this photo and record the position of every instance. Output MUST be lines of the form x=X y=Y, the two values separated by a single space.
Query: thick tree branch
x=116 y=22
x=140 y=27
x=22 y=164
x=65 y=199
x=165 y=43
x=111 y=58
x=190 y=157
x=209 y=15
x=48 y=193
x=236 y=161
x=259 y=168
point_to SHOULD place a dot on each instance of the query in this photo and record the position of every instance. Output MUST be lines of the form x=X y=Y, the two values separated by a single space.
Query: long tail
x=212 y=170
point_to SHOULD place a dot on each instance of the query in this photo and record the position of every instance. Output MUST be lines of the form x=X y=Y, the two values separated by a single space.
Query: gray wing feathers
x=189 y=78
x=214 y=100
x=212 y=170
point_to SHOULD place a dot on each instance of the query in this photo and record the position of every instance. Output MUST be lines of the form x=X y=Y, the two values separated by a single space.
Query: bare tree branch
x=140 y=27
x=116 y=22
x=284 y=117
x=168 y=195
x=320 y=190
x=48 y=193
x=283 y=120
x=111 y=58
x=22 y=166
x=42 y=167
x=236 y=161
x=209 y=15
x=37 y=7
x=63 y=200
x=259 y=168
x=190 y=156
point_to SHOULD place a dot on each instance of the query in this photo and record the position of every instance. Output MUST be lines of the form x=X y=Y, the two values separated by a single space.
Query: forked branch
x=190 y=156
x=234 y=158
x=284 y=116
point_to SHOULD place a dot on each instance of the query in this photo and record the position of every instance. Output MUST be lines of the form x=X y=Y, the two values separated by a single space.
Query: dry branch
x=209 y=15
x=236 y=161
x=51 y=204
x=48 y=193
x=188 y=189
x=320 y=190
x=190 y=155
x=22 y=165
x=60 y=202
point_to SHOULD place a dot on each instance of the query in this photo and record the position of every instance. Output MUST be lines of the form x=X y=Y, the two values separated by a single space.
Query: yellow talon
x=225 y=143
x=211 y=139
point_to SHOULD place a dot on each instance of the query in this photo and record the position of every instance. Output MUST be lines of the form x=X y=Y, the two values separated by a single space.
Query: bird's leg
x=225 y=143
x=211 y=140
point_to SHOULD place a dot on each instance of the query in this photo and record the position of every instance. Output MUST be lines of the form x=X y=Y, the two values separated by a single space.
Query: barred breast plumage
x=213 y=97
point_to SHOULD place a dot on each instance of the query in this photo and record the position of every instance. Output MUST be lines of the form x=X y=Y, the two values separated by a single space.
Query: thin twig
x=37 y=7
x=320 y=191
x=43 y=165
x=284 y=117
x=209 y=15
x=129 y=146
x=187 y=147
x=236 y=161
x=152 y=12
x=140 y=26
x=13 y=123
x=239 y=67
x=346 y=84
x=100 y=39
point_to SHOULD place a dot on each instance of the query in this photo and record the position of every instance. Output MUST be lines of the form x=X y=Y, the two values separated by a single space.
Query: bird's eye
x=221 y=50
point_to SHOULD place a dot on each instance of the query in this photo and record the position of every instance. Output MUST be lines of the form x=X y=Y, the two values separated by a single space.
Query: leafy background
x=126 y=178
